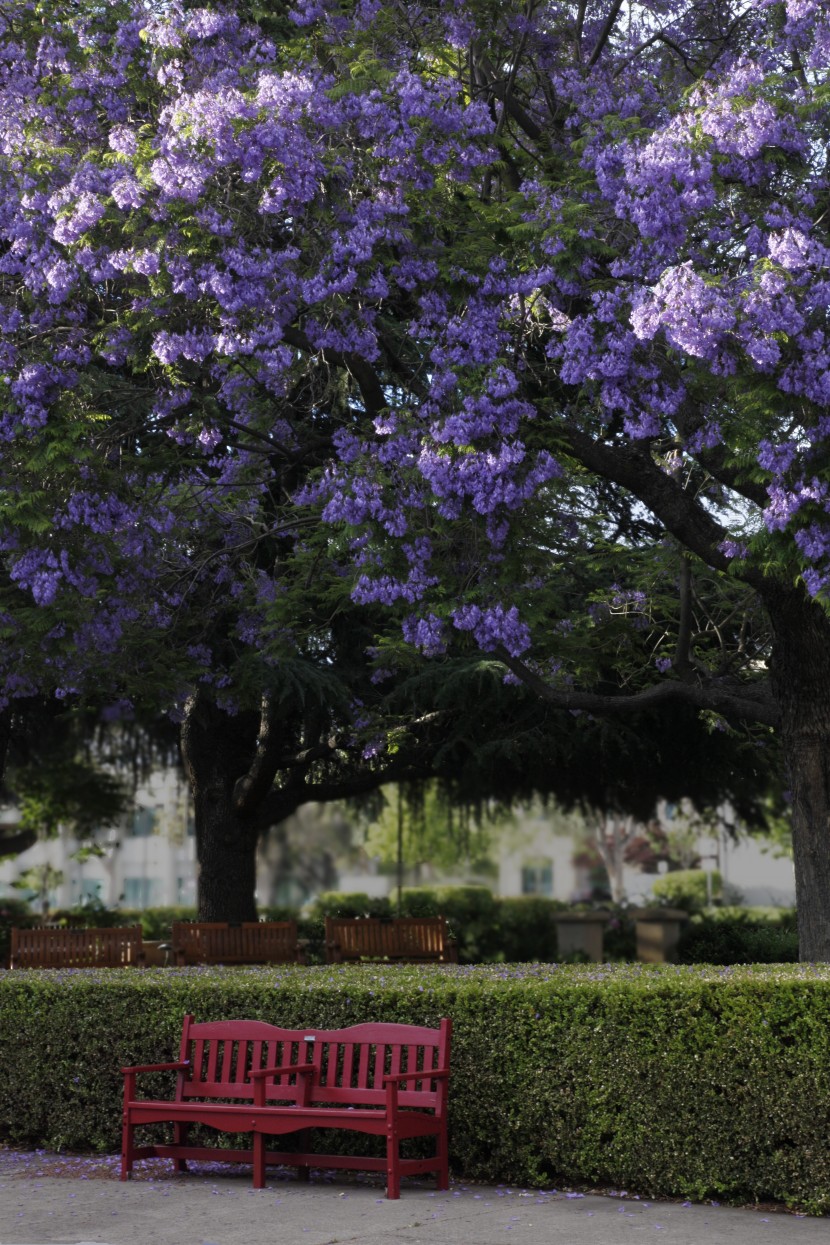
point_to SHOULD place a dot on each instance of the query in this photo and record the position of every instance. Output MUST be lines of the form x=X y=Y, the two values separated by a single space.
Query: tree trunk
x=800 y=671
x=226 y=846
x=612 y=834
x=215 y=749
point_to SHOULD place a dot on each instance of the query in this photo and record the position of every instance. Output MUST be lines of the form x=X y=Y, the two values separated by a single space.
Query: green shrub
x=349 y=903
x=526 y=930
x=738 y=940
x=156 y=922
x=687 y=1082
x=686 y=889
x=90 y=914
x=472 y=914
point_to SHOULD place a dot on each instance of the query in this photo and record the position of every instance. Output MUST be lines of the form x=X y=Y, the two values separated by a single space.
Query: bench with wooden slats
x=252 y=942
x=53 y=947
x=417 y=939
x=247 y=1076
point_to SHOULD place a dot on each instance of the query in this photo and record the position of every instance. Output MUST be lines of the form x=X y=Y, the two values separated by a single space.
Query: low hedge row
x=667 y=1081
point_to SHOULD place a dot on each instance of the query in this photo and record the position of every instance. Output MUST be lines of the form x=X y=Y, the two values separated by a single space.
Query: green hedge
x=667 y=1081
x=739 y=937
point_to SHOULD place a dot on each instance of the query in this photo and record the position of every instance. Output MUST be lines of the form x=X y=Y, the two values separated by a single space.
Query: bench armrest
x=418 y=1075
x=278 y=1069
x=304 y=1073
x=179 y=1066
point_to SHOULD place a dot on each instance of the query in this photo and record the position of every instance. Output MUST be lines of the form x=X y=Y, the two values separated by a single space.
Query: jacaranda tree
x=164 y=398
x=504 y=289
x=153 y=553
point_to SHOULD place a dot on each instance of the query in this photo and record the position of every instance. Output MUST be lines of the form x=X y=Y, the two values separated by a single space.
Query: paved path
x=80 y=1202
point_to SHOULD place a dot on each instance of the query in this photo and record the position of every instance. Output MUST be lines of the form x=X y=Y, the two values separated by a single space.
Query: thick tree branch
x=252 y=787
x=500 y=88
x=729 y=699
x=605 y=33
x=364 y=374
x=632 y=466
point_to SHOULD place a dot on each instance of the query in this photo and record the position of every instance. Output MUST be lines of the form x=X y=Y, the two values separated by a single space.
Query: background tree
x=593 y=349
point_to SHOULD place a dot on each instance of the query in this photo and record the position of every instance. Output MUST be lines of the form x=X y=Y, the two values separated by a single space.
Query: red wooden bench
x=246 y=1076
x=412 y=939
x=253 y=942
x=54 y=947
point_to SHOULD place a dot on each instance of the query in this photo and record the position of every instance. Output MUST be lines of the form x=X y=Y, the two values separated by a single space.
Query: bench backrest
x=417 y=938
x=253 y=942
x=349 y=1063
x=76 y=948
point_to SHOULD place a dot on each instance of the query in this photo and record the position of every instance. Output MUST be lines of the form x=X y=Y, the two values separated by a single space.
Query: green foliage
x=739 y=939
x=156 y=922
x=91 y=913
x=652 y=1079
x=526 y=931
x=349 y=903
x=472 y=913
x=64 y=787
x=686 y=888
x=432 y=828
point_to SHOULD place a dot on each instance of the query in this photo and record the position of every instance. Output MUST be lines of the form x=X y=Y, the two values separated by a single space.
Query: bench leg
x=393 y=1169
x=126 y=1148
x=258 y=1148
x=303 y=1145
x=180 y=1129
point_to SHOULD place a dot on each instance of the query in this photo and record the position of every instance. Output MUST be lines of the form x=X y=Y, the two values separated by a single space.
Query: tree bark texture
x=800 y=671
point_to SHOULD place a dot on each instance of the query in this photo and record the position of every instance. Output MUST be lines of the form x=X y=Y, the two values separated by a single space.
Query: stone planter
x=581 y=932
x=658 y=930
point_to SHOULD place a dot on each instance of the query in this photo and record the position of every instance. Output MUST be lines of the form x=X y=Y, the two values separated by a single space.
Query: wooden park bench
x=416 y=939
x=247 y=1076
x=55 y=947
x=252 y=942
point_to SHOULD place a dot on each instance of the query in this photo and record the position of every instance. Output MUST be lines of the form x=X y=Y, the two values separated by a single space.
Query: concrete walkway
x=46 y=1200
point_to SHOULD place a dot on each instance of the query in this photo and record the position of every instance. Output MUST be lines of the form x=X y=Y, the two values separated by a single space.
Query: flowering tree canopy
x=502 y=289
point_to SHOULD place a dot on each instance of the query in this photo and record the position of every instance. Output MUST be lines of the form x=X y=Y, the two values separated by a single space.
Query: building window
x=143 y=824
x=141 y=892
x=537 y=878
x=185 y=890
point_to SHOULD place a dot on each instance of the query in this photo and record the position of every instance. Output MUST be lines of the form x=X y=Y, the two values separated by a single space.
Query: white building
x=149 y=860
